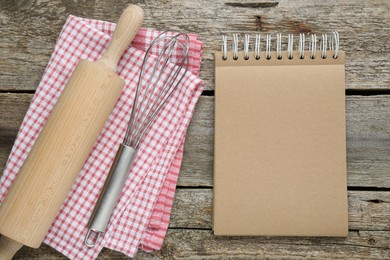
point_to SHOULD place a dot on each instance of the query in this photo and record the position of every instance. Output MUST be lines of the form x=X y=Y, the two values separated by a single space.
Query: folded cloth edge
x=108 y=24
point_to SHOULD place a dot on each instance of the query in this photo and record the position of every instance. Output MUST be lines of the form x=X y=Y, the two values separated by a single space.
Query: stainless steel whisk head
x=168 y=70
x=163 y=68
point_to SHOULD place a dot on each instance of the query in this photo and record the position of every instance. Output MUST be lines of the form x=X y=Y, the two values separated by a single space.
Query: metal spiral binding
x=301 y=46
x=224 y=47
x=246 y=46
x=235 y=46
x=268 y=47
x=325 y=45
x=279 y=46
x=313 y=46
x=257 y=46
x=335 y=44
x=290 y=46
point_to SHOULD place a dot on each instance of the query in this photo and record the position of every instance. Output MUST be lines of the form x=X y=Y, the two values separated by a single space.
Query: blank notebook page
x=280 y=147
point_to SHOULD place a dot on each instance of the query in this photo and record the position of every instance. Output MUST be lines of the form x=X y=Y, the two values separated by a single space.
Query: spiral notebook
x=280 y=137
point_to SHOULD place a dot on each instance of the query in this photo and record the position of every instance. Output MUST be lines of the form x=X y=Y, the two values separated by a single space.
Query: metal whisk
x=163 y=68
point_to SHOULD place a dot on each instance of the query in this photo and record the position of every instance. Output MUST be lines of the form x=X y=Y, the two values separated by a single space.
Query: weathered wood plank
x=29 y=30
x=197 y=244
x=368 y=143
x=202 y=244
x=368 y=217
x=368 y=139
x=46 y=252
x=368 y=210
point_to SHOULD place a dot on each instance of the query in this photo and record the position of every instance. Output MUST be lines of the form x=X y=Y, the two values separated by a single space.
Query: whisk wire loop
x=153 y=91
x=150 y=85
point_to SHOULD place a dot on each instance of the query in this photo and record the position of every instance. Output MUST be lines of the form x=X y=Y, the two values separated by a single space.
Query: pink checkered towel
x=141 y=217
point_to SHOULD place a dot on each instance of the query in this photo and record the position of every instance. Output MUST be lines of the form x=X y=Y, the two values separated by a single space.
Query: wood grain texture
x=127 y=27
x=8 y=248
x=368 y=210
x=190 y=234
x=368 y=139
x=201 y=244
x=368 y=142
x=29 y=30
x=59 y=153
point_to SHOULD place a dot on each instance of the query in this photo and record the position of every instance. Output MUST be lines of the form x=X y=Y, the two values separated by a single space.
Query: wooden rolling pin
x=64 y=143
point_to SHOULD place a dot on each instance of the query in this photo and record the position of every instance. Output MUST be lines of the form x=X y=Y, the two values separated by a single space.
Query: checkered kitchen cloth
x=142 y=216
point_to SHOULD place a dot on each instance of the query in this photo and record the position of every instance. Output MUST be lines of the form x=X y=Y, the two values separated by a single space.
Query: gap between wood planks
x=254 y=4
x=362 y=188
x=17 y=91
x=210 y=229
x=348 y=92
x=349 y=188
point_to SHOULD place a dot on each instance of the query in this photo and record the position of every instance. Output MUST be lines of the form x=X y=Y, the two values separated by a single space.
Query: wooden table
x=29 y=29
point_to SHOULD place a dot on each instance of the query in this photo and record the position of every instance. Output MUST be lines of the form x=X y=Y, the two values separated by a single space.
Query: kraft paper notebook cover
x=280 y=144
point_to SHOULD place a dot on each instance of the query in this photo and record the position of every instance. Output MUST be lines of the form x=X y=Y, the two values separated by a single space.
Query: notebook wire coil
x=254 y=47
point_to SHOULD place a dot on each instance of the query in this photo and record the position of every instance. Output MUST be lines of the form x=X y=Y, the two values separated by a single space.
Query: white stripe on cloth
x=141 y=217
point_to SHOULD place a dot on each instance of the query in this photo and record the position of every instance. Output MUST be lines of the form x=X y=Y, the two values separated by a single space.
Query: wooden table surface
x=29 y=29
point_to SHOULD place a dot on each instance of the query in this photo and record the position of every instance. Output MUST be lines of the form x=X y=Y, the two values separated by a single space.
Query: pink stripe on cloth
x=141 y=217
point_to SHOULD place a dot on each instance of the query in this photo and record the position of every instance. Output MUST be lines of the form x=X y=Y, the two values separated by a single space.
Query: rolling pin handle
x=8 y=248
x=94 y=241
x=126 y=29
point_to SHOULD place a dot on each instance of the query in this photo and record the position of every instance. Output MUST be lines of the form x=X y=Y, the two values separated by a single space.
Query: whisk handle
x=108 y=199
x=129 y=23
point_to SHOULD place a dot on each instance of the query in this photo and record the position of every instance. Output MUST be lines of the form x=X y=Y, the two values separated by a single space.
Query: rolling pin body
x=59 y=153
x=64 y=143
